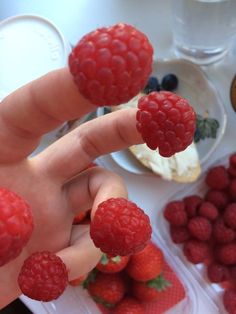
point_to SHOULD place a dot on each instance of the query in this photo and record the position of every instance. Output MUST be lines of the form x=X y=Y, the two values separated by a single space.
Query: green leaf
x=205 y=128
x=159 y=283
x=116 y=259
x=104 y=259
x=90 y=278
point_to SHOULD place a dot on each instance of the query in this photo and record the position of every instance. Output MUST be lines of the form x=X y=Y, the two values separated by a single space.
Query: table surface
x=74 y=18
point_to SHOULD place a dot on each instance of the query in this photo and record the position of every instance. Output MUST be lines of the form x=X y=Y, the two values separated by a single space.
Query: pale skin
x=53 y=182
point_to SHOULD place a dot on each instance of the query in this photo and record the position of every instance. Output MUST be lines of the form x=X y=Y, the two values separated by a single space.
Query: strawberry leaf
x=104 y=259
x=159 y=283
x=116 y=259
x=90 y=278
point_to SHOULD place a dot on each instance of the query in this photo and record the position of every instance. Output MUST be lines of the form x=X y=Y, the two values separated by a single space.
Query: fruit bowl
x=202 y=95
x=199 y=271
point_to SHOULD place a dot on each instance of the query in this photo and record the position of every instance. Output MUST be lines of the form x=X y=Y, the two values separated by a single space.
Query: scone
x=182 y=167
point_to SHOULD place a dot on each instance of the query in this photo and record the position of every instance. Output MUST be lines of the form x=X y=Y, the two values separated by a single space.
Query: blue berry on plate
x=153 y=85
x=169 y=82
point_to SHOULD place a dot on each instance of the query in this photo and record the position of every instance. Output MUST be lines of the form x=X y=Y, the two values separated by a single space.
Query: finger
x=37 y=108
x=92 y=187
x=82 y=256
x=75 y=151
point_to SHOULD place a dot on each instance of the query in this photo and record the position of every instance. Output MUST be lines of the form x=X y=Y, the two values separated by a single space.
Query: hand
x=54 y=182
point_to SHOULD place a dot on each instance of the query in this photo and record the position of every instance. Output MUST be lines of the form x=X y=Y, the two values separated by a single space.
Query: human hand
x=54 y=182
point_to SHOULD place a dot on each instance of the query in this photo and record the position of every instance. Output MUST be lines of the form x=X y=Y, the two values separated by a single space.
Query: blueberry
x=152 y=85
x=169 y=82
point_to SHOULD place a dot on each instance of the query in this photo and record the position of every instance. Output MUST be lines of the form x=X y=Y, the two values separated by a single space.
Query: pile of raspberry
x=134 y=283
x=205 y=226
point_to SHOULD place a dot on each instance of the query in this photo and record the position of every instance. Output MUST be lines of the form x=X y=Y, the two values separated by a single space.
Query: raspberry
x=192 y=202
x=120 y=227
x=208 y=210
x=217 y=272
x=226 y=254
x=232 y=271
x=200 y=228
x=179 y=234
x=230 y=215
x=16 y=225
x=232 y=160
x=129 y=305
x=111 y=64
x=229 y=300
x=219 y=198
x=232 y=171
x=175 y=213
x=195 y=251
x=232 y=189
x=217 y=178
x=43 y=276
x=166 y=121
x=222 y=233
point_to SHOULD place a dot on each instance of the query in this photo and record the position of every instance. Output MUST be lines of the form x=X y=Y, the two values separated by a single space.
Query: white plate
x=202 y=95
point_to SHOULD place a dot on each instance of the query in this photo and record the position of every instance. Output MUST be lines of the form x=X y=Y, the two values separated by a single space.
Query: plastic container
x=212 y=290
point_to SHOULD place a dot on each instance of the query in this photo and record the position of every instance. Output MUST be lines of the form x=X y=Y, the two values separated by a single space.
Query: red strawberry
x=232 y=189
x=111 y=64
x=200 y=228
x=150 y=291
x=222 y=233
x=217 y=178
x=230 y=215
x=16 y=225
x=109 y=264
x=120 y=227
x=208 y=210
x=80 y=217
x=226 y=254
x=78 y=281
x=179 y=234
x=146 y=264
x=229 y=300
x=217 y=272
x=175 y=213
x=107 y=289
x=192 y=203
x=196 y=251
x=219 y=198
x=129 y=305
x=43 y=276
x=166 y=121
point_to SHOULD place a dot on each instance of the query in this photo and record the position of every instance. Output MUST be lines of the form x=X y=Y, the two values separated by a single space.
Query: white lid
x=30 y=46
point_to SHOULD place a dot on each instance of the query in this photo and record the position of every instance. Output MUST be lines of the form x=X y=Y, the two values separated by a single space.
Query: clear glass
x=203 y=29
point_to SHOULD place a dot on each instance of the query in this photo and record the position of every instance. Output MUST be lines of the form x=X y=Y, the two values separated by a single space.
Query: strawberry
x=200 y=228
x=208 y=210
x=150 y=290
x=120 y=227
x=192 y=203
x=195 y=251
x=107 y=289
x=129 y=305
x=146 y=264
x=112 y=264
x=78 y=281
x=217 y=178
x=80 y=217
x=221 y=233
x=217 y=272
x=175 y=214
x=229 y=300
x=230 y=215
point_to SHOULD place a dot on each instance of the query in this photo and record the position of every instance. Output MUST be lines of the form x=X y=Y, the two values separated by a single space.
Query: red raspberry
x=16 y=225
x=232 y=171
x=175 y=213
x=129 y=305
x=179 y=234
x=232 y=189
x=222 y=233
x=192 y=202
x=146 y=264
x=219 y=198
x=217 y=178
x=111 y=64
x=200 y=228
x=226 y=254
x=217 y=272
x=166 y=121
x=232 y=160
x=195 y=251
x=232 y=271
x=120 y=227
x=108 y=289
x=112 y=264
x=230 y=215
x=229 y=300
x=208 y=210
x=43 y=276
